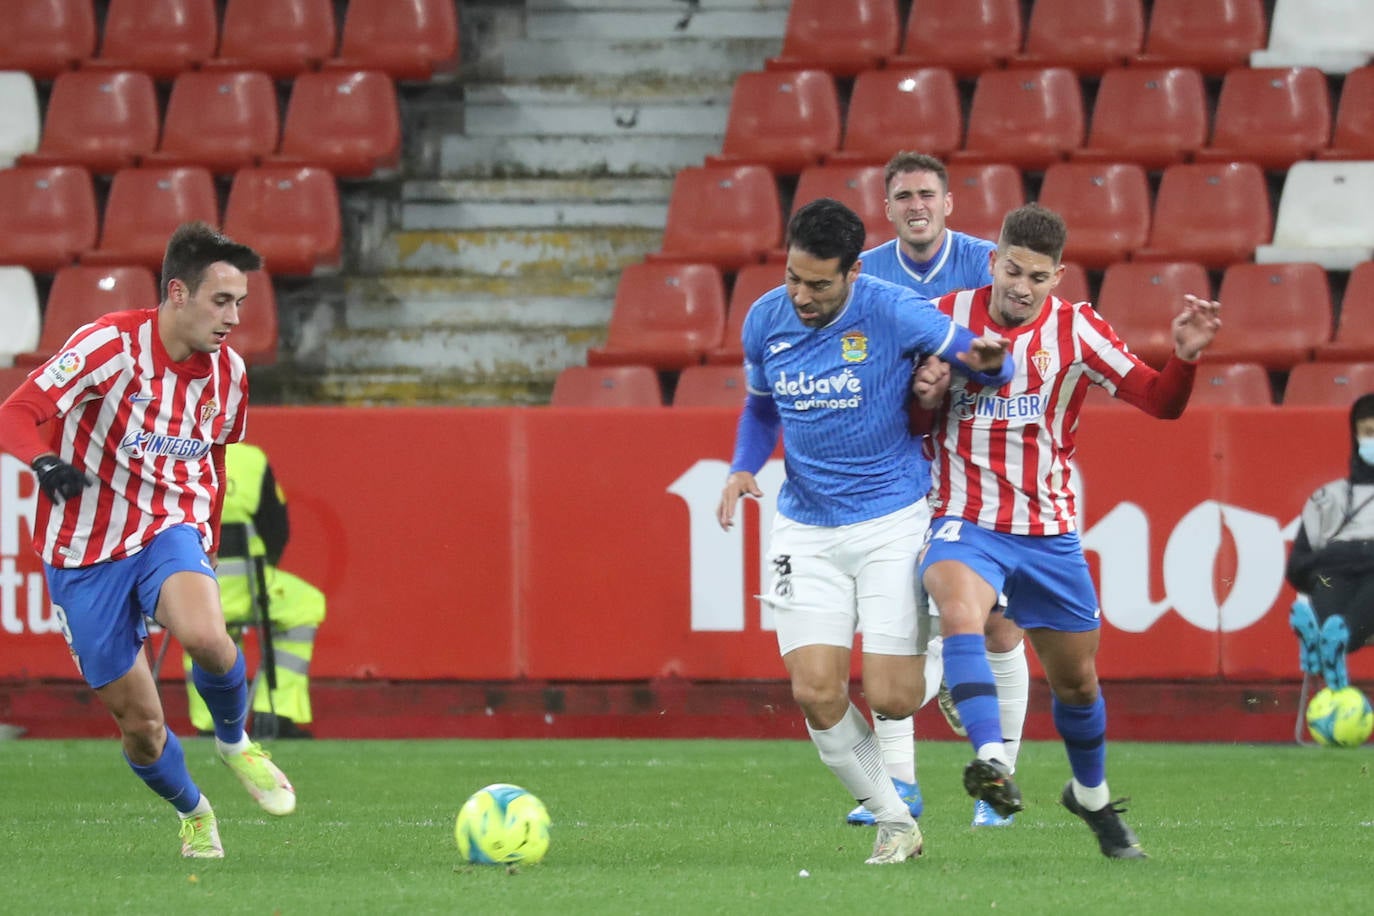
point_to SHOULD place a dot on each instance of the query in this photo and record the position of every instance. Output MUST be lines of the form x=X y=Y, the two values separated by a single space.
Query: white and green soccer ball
x=502 y=824
x=1340 y=718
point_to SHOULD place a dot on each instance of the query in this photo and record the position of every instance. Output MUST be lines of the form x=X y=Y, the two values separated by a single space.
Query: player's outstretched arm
x=737 y=485
x=1195 y=327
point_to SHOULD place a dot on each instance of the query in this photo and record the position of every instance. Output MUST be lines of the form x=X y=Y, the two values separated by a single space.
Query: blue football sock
x=970 y=684
x=1084 y=730
x=168 y=776
x=226 y=696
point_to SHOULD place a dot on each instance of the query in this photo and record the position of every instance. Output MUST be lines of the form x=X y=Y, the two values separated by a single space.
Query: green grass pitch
x=710 y=827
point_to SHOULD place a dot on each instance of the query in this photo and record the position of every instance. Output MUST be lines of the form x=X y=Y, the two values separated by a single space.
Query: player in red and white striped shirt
x=1004 y=507
x=142 y=404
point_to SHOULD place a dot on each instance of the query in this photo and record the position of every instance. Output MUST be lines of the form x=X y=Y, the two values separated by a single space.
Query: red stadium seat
x=145 y=206
x=1354 y=340
x=967 y=36
x=892 y=110
x=1106 y=205
x=100 y=120
x=159 y=37
x=607 y=386
x=1088 y=38
x=1353 y=137
x=1270 y=116
x=1215 y=213
x=1140 y=300
x=859 y=187
x=1155 y=116
x=290 y=215
x=11 y=377
x=1231 y=385
x=1278 y=314
x=1211 y=35
x=222 y=121
x=750 y=283
x=1328 y=384
x=726 y=215
x=1028 y=118
x=665 y=316
x=45 y=37
x=281 y=38
x=48 y=216
x=983 y=195
x=80 y=294
x=710 y=386
x=255 y=339
x=1073 y=285
x=406 y=39
x=786 y=120
x=346 y=121
x=843 y=38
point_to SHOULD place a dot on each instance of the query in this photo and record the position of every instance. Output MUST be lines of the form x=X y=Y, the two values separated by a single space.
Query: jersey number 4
x=948 y=531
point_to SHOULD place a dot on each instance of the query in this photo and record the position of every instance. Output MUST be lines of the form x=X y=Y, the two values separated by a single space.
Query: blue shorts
x=101 y=607
x=1045 y=578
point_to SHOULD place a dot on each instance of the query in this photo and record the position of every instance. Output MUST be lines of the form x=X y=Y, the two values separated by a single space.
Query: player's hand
x=930 y=382
x=738 y=484
x=59 y=479
x=1195 y=327
x=985 y=354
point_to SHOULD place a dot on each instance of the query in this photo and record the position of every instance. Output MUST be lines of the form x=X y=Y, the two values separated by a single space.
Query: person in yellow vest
x=296 y=607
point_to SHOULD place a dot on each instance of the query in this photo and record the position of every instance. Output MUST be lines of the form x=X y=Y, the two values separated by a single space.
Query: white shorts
x=827 y=583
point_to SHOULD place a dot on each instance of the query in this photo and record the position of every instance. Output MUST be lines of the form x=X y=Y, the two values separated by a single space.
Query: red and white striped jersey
x=142 y=425
x=1001 y=456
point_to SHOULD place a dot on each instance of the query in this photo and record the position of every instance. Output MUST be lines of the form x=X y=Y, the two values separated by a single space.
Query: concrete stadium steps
x=587 y=126
x=534 y=203
x=547 y=175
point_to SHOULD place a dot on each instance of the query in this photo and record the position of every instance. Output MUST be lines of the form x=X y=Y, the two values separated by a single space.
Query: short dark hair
x=826 y=228
x=1034 y=227
x=195 y=246
x=906 y=161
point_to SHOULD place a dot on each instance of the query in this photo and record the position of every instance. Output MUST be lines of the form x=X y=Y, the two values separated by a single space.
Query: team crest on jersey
x=1042 y=359
x=66 y=367
x=208 y=410
x=854 y=347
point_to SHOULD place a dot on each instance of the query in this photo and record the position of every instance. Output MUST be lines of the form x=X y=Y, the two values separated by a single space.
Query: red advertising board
x=579 y=544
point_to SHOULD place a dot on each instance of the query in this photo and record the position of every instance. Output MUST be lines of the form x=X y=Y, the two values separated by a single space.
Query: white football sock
x=851 y=751
x=897 y=737
x=1011 y=674
x=1094 y=798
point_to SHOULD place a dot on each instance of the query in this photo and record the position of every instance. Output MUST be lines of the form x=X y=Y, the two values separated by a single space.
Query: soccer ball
x=1340 y=718
x=502 y=825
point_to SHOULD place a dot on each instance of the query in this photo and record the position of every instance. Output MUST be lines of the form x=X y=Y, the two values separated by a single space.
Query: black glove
x=58 y=478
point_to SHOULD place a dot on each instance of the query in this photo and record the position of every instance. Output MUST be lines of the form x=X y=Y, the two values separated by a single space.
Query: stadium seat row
x=342 y=120
x=969 y=36
x=671 y=316
x=408 y=41
x=49 y=216
x=81 y=293
x=1156 y=117
x=1218 y=213
x=1217 y=385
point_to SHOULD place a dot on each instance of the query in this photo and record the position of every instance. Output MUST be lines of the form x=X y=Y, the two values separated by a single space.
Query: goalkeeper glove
x=59 y=479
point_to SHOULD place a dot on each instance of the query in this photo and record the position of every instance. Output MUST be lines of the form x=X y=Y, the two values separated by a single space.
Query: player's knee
x=893 y=706
x=212 y=648
x=819 y=697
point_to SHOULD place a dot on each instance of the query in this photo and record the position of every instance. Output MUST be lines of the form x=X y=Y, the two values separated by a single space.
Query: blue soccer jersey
x=961 y=263
x=841 y=393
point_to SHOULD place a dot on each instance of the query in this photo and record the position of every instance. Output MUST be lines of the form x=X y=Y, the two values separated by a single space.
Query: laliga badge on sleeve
x=66 y=367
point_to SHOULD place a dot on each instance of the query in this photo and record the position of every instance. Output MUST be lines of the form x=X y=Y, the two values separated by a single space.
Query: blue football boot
x=909 y=792
x=1304 y=623
x=1335 y=636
